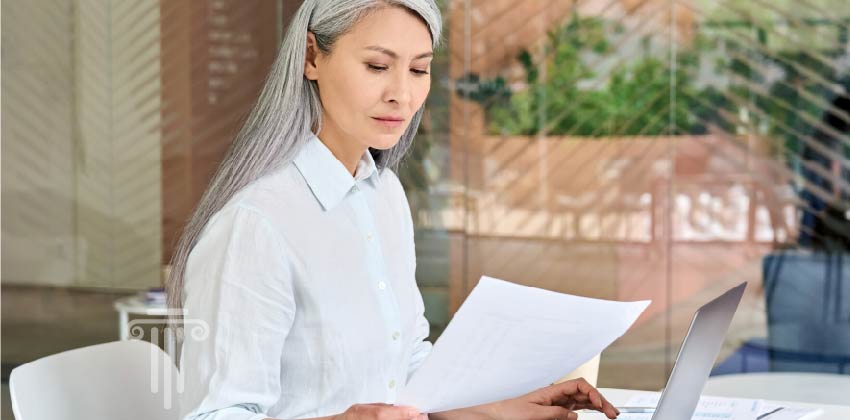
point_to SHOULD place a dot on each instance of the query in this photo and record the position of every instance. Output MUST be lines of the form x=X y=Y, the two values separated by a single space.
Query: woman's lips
x=388 y=122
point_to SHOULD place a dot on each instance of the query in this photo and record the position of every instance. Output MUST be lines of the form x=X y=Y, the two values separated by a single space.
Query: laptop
x=697 y=355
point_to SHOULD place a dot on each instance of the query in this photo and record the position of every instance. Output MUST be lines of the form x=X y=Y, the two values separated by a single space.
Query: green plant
x=573 y=99
x=643 y=94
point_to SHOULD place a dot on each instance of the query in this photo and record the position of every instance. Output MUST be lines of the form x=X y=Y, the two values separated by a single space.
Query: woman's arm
x=374 y=412
x=471 y=413
x=552 y=402
x=421 y=346
x=239 y=287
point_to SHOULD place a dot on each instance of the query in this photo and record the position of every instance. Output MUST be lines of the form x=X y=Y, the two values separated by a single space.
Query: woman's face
x=373 y=81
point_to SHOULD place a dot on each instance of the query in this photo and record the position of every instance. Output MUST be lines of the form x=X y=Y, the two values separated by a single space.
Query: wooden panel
x=217 y=55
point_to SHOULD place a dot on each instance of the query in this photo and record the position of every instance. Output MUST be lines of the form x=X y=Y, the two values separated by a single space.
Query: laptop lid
x=697 y=355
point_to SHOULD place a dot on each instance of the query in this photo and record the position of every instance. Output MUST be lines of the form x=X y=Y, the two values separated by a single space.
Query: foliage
x=584 y=94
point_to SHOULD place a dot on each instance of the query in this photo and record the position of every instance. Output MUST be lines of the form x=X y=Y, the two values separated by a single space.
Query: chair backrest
x=807 y=295
x=129 y=380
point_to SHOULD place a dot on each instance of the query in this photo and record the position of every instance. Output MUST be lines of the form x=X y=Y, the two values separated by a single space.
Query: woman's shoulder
x=268 y=191
x=264 y=197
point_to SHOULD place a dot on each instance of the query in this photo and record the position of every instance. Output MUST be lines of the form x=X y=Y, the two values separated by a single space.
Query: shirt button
x=396 y=335
x=355 y=189
x=382 y=285
x=369 y=236
x=392 y=384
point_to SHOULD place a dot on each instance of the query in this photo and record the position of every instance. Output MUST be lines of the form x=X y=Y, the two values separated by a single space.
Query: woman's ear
x=311 y=71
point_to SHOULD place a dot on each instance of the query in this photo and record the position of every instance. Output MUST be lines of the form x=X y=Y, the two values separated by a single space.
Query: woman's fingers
x=579 y=394
x=603 y=405
x=554 y=412
x=380 y=411
x=609 y=408
x=398 y=412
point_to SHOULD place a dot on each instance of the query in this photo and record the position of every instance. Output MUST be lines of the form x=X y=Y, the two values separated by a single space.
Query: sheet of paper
x=507 y=340
x=708 y=408
x=789 y=412
x=714 y=408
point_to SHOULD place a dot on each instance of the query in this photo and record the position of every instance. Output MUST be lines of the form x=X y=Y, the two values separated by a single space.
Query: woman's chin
x=384 y=141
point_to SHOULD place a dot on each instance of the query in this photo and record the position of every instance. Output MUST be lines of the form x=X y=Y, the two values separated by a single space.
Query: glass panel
x=659 y=150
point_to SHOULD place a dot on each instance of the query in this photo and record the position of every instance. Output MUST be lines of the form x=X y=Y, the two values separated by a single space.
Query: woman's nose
x=398 y=89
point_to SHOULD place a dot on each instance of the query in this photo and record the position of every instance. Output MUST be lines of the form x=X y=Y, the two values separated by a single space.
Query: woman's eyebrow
x=393 y=55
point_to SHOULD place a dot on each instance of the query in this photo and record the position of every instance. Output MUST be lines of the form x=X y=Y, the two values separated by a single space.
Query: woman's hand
x=552 y=402
x=380 y=412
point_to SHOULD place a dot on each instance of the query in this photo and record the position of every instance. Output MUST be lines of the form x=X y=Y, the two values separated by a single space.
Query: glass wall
x=657 y=150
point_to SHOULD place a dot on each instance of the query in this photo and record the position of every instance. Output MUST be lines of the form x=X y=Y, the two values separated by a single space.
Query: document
x=714 y=408
x=708 y=408
x=772 y=411
x=507 y=340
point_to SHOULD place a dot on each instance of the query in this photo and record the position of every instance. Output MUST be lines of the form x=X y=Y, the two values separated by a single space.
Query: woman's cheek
x=423 y=93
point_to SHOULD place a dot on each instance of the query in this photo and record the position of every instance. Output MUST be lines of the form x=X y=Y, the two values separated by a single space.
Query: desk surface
x=620 y=396
x=816 y=388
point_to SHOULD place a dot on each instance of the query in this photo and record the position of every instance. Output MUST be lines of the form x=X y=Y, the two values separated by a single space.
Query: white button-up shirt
x=306 y=281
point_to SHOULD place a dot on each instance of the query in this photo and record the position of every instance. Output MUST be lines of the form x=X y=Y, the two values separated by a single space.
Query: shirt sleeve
x=238 y=285
x=421 y=346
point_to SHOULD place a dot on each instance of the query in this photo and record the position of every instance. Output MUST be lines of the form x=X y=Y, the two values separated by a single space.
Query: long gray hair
x=287 y=110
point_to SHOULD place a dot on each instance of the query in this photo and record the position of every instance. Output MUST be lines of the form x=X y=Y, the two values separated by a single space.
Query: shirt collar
x=326 y=176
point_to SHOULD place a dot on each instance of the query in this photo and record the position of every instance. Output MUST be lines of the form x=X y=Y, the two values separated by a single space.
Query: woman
x=300 y=255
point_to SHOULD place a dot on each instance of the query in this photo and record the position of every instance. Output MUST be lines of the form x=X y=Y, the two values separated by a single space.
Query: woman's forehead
x=391 y=28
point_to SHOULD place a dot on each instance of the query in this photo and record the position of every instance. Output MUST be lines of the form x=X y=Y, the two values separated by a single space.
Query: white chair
x=132 y=380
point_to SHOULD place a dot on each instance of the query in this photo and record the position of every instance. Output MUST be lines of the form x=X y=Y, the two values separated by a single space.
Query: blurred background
x=618 y=149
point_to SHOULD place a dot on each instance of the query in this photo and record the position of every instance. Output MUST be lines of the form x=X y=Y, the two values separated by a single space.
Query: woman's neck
x=348 y=152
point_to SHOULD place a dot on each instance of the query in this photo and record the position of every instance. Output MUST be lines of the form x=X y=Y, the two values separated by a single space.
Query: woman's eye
x=379 y=69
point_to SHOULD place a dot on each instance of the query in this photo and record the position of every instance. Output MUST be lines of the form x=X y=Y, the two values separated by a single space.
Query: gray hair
x=286 y=112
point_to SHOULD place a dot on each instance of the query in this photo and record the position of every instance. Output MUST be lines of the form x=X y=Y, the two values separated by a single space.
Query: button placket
x=378 y=273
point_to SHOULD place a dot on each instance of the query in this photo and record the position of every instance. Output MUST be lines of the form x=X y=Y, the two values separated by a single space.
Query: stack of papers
x=776 y=412
x=153 y=296
x=714 y=408
x=507 y=340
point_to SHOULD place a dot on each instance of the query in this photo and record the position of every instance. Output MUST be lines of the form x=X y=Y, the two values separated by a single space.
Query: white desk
x=814 y=388
x=620 y=396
